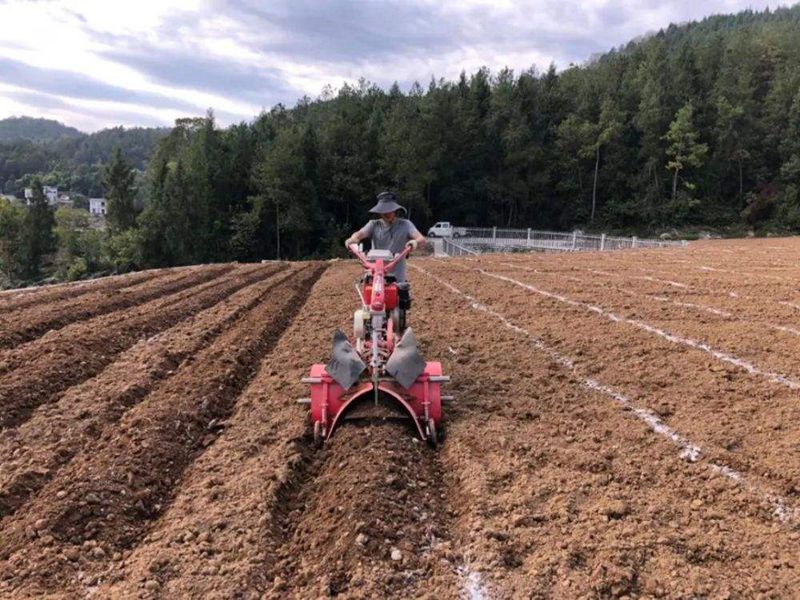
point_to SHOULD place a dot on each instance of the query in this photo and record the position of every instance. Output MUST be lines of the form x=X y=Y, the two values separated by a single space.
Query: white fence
x=480 y=240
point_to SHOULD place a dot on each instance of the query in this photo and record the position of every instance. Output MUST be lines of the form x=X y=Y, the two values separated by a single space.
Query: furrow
x=38 y=371
x=33 y=453
x=243 y=504
x=223 y=508
x=20 y=326
x=115 y=490
x=21 y=298
x=372 y=508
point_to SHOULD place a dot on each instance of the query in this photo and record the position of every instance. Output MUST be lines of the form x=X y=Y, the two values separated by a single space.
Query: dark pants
x=404 y=301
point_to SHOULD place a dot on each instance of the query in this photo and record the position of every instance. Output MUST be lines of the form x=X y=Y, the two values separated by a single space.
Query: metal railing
x=452 y=248
x=493 y=239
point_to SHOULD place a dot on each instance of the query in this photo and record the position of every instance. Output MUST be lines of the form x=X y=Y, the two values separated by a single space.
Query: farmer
x=390 y=232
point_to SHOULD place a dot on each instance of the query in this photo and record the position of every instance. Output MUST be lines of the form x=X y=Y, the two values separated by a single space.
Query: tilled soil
x=33 y=452
x=22 y=297
x=624 y=425
x=22 y=325
x=32 y=374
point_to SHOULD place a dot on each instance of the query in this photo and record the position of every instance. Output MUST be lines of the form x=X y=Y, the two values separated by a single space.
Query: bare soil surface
x=624 y=425
x=33 y=452
x=22 y=325
x=35 y=372
x=21 y=297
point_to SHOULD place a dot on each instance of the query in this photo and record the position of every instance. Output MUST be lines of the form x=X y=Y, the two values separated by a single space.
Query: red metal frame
x=422 y=402
x=329 y=402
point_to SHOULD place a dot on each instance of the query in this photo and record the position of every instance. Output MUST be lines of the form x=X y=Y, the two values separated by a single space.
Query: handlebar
x=369 y=266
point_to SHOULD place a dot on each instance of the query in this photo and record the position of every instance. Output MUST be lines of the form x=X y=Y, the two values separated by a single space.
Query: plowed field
x=625 y=424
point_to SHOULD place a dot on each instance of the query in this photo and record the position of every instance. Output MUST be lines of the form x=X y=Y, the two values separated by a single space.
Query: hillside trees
x=406 y=155
x=790 y=167
x=715 y=104
x=72 y=162
x=286 y=199
x=684 y=150
x=118 y=180
x=37 y=237
x=12 y=217
x=606 y=130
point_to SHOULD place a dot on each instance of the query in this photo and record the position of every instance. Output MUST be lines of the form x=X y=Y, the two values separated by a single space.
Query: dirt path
x=115 y=490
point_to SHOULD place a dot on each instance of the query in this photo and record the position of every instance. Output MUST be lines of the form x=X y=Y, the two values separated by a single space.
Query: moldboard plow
x=382 y=371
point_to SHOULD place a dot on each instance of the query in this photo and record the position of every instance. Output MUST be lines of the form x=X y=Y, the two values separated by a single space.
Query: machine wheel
x=433 y=438
x=319 y=435
x=441 y=434
x=456 y=235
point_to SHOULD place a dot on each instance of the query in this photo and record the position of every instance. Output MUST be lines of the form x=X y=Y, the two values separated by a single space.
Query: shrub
x=77 y=270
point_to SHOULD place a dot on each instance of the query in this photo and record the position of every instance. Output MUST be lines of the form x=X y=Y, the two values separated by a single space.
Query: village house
x=97 y=206
x=50 y=192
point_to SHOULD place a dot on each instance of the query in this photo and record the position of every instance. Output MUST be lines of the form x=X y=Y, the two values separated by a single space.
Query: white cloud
x=164 y=58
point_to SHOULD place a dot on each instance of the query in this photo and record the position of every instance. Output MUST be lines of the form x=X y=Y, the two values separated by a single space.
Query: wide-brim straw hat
x=386 y=204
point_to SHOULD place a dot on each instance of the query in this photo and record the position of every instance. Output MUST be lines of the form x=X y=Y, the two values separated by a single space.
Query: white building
x=50 y=192
x=97 y=206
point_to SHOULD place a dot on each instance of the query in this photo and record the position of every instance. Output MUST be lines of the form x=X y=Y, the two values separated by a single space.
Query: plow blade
x=346 y=365
x=421 y=401
x=405 y=364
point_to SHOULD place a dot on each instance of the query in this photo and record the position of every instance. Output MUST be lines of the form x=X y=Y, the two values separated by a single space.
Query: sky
x=93 y=64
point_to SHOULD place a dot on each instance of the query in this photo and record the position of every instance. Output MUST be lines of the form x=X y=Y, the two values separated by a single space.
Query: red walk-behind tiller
x=383 y=366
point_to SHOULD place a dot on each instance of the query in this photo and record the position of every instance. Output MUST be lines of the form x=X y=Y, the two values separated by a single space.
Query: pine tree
x=683 y=150
x=286 y=193
x=38 y=237
x=118 y=180
x=12 y=218
x=608 y=127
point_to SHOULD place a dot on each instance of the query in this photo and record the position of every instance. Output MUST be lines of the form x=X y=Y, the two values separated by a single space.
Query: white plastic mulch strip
x=785 y=329
x=665 y=281
x=704 y=268
x=675 y=339
x=767 y=275
x=708 y=309
x=642 y=277
x=688 y=450
x=473 y=587
x=569 y=277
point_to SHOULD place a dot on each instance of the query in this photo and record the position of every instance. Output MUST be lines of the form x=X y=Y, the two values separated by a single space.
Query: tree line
x=697 y=125
x=64 y=157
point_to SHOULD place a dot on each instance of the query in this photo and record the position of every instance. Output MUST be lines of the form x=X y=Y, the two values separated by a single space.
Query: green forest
x=695 y=126
x=65 y=157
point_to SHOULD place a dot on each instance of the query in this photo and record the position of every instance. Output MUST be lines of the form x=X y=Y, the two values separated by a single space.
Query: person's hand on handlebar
x=412 y=244
x=349 y=242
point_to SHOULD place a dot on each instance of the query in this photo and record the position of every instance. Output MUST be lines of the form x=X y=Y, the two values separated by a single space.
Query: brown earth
x=35 y=372
x=34 y=451
x=21 y=325
x=21 y=297
x=620 y=428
